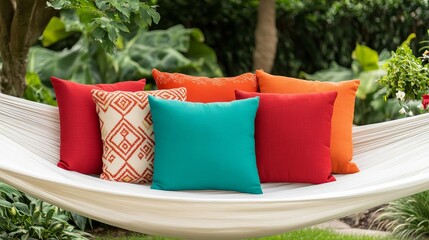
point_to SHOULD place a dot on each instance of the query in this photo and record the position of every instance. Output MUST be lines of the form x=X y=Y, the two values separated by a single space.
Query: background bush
x=312 y=33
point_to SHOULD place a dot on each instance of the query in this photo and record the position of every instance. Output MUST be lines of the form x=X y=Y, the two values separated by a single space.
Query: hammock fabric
x=392 y=157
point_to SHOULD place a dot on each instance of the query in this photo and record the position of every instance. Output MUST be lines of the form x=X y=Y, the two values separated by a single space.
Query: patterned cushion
x=204 y=89
x=292 y=136
x=342 y=118
x=127 y=133
x=80 y=146
x=205 y=146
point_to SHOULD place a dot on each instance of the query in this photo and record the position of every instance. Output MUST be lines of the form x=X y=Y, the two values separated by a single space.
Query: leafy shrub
x=312 y=33
x=407 y=218
x=406 y=73
x=24 y=217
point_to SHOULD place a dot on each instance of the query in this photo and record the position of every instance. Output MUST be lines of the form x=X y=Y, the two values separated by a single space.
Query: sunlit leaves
x=105 y=20
x=36 y=91
x=54 y=32
x=405 y=73
x=175 y=49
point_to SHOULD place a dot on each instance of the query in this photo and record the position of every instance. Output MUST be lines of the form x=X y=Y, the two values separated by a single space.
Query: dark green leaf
x=367 y=57
x=58 y=4
x=80 y=221
x=98 y=34
x=8 y=190
x=22 y=208
x=4 y=203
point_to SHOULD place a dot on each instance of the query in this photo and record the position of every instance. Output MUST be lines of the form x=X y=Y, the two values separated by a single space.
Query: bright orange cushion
x=204 y=89
x=342 y=118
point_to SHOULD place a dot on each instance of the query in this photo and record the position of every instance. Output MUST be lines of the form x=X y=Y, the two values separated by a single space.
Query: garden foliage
x=407 y=218
x=406 y=73
x=176 y=49
x=25 y=217
x=312 y=34
x=105 y=20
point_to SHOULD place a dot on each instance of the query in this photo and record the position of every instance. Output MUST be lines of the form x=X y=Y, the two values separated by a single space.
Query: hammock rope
x=392 y=157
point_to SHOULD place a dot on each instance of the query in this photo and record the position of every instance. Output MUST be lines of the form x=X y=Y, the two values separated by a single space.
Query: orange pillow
x=342 y=117
x=204 y=89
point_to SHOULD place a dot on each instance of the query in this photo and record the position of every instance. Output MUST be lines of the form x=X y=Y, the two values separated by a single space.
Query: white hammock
x=393 y=158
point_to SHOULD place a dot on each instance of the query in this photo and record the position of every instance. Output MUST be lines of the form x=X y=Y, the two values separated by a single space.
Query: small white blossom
x=420 y=106
x=400 y=95
x=410 y=113
x=402 y=111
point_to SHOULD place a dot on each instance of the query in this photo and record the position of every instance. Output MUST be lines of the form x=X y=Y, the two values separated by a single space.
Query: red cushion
x=81 y=146
x=293 y=135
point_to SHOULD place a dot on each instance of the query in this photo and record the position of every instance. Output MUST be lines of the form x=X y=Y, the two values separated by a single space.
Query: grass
x=304 y=234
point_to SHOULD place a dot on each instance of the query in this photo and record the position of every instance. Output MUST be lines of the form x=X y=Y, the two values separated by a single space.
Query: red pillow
x=293 y=135
x=81 y=146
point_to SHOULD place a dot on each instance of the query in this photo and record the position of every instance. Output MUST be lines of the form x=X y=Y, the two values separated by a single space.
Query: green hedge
x=312 y=33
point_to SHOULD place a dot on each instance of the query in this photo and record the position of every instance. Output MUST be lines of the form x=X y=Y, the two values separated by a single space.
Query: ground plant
x=25 y=217
x=408 y=218
x=303 y=234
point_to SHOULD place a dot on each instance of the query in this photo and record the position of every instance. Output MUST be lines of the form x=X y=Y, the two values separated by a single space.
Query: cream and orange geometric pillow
x=127 y=133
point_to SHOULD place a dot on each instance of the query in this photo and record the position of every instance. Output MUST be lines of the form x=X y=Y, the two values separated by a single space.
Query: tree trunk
x=21 y=23
x=12 y=75
x=265 y=36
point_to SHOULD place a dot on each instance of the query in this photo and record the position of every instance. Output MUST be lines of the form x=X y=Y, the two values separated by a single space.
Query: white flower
x=410 y=113
x=420 y=106
x=400 y=95
x=402 y=111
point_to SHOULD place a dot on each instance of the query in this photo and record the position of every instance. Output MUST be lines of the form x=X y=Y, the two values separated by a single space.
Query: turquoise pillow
x=205 y=146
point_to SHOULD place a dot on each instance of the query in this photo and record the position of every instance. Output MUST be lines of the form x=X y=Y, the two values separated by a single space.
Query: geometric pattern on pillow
x=205 y=89
x=127 y=133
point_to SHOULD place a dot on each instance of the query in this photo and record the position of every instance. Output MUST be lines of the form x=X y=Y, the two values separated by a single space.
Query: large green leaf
x=367 y=57
x=4 y=203
x=8 y=190
x=54 y=32
x=200 y=52
x=335 y=73
x=368 y=82
x=80 y=221
x=73 y=64
x=176 y=49
x=176 y=37
x=22 y=208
